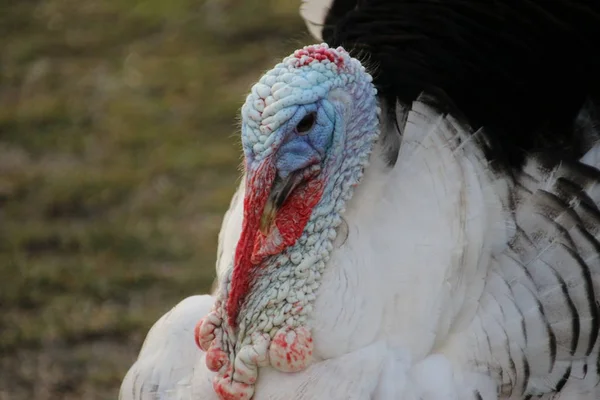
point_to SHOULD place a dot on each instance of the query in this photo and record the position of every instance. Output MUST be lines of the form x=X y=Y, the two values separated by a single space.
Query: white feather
x=374 y=286
x=169 y=360
x=231 y=229
x=423 y=297
x=314 y=12
x=592 y=157
x=166 y=364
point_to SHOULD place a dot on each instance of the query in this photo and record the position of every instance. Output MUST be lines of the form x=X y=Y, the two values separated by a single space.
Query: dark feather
x=522 y=69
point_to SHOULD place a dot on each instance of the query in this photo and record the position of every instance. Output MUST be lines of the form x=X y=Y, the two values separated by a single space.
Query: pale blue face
x=308 y=128
x=307 y=138
x=288 y=115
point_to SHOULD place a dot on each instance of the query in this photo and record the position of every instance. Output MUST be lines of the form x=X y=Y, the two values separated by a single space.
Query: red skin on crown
x=317 y=53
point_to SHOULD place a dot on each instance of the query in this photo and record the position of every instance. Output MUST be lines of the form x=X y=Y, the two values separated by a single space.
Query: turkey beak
x=282 y=188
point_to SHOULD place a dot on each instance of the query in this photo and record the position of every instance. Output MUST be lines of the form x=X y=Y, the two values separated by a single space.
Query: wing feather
x=168 y=358
x=543 y=290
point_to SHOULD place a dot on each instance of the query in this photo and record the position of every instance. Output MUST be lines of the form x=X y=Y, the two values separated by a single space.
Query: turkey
x=418 y=217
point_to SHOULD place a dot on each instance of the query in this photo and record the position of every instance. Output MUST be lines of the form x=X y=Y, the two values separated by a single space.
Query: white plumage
x=388 y=296
x=448 y=280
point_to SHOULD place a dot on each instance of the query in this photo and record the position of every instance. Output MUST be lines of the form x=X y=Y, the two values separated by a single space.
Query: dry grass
x=118 y=156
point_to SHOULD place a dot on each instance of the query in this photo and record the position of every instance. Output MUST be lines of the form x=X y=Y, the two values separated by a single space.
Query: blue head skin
x=307 y=138
x=307 y=118
x=308 y=128
x=308 y=125
x=295 y=112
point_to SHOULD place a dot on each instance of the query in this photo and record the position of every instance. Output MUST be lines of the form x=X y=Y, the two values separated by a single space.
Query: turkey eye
x=306 y=123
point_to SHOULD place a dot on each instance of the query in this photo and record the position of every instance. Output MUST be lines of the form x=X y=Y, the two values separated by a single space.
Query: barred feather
x=469 y=267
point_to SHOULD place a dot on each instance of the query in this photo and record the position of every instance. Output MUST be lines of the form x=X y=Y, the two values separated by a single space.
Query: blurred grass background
x=119 y=153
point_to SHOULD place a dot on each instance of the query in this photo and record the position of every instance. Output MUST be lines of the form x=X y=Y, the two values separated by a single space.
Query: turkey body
x=467 y=265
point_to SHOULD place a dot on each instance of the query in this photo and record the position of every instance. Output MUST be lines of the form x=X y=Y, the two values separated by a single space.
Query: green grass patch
x=119 y=153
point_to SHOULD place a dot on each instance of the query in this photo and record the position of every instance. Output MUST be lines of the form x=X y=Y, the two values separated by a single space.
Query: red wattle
x=253 y=247
x=197 y=333
x=258 y=186
x=316 y=52
x=229 y=389
x=290 y=220
x=216 y=358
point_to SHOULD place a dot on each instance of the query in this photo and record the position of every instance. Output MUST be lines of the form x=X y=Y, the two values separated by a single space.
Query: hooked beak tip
x=267 y=218
x=280 y=191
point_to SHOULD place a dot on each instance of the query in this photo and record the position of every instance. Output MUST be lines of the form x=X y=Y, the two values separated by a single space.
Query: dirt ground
x=119 y=153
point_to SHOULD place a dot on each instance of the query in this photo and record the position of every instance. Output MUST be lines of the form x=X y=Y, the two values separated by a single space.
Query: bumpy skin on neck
x=263 y=307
